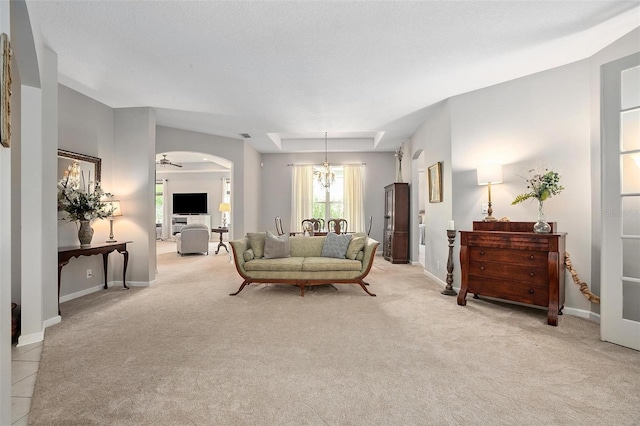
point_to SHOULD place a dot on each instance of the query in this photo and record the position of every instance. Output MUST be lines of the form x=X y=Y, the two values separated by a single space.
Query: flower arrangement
x=80 y=201
x=399 y=153
x=541 y=186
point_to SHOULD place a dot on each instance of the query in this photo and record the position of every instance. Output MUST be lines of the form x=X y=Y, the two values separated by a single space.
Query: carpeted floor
x=185 y=353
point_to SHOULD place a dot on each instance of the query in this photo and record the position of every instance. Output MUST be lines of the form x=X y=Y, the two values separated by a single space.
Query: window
x=329 y=204
x=344 y=200
x=159 y=203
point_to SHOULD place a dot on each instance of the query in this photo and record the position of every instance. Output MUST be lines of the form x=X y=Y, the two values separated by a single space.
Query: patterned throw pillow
x=356 y=244
x=256 y=243
x=335 y=245
x=276 y=247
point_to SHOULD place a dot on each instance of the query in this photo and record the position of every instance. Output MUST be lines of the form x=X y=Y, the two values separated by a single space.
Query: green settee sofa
x=305 y=267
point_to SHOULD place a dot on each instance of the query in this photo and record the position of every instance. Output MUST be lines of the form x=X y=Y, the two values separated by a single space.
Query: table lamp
x=488 y=174
x=224 y=208
x=114 y=207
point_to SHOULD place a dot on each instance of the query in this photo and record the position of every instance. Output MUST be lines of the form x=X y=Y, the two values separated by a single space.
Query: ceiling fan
x=165 y=162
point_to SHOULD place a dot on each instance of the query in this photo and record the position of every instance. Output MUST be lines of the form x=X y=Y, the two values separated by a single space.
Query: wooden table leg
x=60 y=265
x=124 y=269
x=221 y=244
x=105 y=261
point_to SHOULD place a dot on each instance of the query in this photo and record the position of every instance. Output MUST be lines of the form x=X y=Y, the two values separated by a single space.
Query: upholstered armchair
x=193 y=238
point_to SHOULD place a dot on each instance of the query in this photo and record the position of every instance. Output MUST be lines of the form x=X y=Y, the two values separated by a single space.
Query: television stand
x=179 y=221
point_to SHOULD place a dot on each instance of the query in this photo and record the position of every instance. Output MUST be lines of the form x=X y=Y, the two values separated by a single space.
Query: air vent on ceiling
x=245 y=135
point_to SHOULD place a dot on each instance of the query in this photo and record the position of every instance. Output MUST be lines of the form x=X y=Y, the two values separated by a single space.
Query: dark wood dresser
x=395 y=243
x=507 y=260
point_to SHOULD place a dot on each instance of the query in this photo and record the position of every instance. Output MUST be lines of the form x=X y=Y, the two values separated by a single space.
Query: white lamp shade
x=489 y=173
x=224 y=207
x=114 y=207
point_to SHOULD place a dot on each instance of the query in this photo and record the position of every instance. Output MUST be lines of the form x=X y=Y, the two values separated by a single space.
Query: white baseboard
x=27 y=339
x=436 y=279
x=80 y=293
x=52 y=321
x=94 y=289
x=581 y=313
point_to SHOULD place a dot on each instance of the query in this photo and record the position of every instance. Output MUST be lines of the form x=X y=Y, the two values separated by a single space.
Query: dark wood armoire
x=395 y=244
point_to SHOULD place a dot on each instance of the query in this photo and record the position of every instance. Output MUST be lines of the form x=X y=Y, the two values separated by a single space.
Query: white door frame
x=613 y=327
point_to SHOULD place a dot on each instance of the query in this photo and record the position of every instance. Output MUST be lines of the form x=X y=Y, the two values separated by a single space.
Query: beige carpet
x=185 y=353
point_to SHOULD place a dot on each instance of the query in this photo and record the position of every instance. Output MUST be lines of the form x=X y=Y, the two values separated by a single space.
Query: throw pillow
x=335 y=245
x=356 y=244
x=256 y=242
x=248 y=255
x=360 y=256
x=276 y=247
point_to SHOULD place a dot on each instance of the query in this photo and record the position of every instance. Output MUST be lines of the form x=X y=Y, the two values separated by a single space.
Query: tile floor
x=25 y=361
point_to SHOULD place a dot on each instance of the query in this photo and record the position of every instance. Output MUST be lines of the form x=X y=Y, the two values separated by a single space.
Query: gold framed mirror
x=87 y=166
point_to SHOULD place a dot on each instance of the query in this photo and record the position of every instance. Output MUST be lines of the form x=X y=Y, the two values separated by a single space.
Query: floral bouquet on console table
x=82 y=203
x=541 y=186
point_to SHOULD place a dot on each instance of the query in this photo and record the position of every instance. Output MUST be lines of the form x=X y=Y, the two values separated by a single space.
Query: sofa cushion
x=276 y=247
x=283 y=264
x=355 y=245
x=256 y=243
x=306 y=246
x=316 y=264
x=248 y=255
x=335 y=245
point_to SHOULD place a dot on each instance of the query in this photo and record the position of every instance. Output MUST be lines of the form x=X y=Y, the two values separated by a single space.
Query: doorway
x=620 y=278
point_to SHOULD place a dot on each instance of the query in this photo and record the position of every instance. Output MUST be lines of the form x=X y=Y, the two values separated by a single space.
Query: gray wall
x=134 y=183
x=276 y=184
x=85 y=126
x=434 y=138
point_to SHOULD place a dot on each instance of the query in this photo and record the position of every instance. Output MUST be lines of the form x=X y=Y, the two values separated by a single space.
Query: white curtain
x=354 y=197
x=301 y=195
x=166 y=214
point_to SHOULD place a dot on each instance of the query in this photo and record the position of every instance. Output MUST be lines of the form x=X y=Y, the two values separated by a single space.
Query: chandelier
x=325 y=176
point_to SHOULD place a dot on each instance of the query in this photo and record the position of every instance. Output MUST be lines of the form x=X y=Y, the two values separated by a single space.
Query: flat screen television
x=190 y=203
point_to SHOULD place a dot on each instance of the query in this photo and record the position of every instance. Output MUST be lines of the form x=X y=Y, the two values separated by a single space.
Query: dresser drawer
x=536 y=259
x=509 y=271
x=531 y=293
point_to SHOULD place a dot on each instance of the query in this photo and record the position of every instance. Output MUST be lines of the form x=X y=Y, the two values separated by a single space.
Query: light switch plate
x=484 y=208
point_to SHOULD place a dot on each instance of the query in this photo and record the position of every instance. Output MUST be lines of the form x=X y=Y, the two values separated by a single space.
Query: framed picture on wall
x=5 y=90
x=435 y=183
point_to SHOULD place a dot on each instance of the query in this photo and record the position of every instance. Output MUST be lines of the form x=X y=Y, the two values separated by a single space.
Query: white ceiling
x=286 y=72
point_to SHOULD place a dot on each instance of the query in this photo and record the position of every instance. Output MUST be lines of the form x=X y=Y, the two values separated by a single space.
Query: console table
x=221 y=231
x=504 y=261
x=67 y=253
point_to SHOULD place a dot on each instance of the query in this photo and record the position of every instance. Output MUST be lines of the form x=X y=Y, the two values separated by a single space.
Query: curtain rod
x=331 y=164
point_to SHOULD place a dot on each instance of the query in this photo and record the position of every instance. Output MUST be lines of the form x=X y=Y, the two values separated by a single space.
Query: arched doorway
x=187 y=177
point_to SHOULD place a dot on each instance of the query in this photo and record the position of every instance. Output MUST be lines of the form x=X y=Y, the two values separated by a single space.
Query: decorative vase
x=399 y=171
x=541 y=226
x=85 y=233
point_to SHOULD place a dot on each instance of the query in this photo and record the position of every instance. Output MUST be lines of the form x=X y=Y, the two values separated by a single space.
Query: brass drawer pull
x=532 y=274
x=531 y=291
x=482 y=268
x=481 y=253
x=531 y=257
